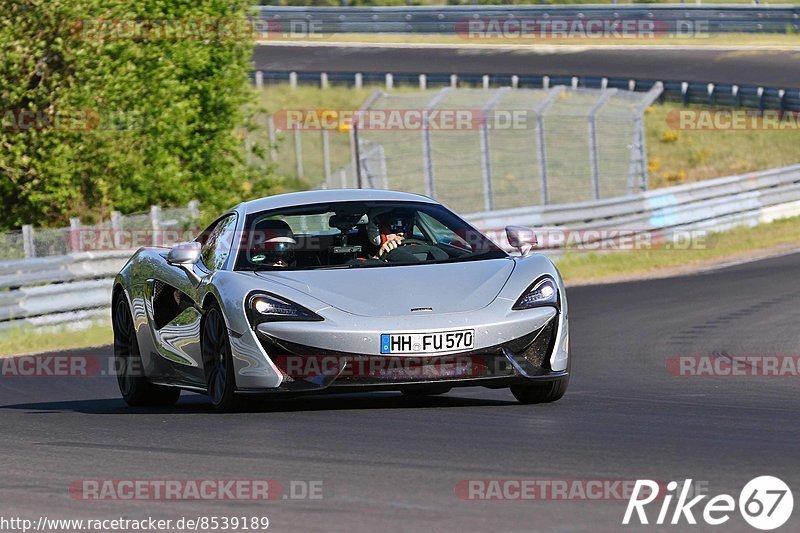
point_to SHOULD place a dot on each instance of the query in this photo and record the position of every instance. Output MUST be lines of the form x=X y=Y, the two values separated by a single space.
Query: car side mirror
x=184 y=254
x=521 y=238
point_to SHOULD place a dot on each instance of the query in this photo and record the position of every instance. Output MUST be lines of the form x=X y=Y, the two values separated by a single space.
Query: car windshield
x=358 y=235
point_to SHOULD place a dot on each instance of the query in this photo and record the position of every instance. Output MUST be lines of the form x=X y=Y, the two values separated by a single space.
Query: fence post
x=298 y=151
x=74 y=234
x=594 y=165
x=638 y=163
x=384 y=171
x=194 y=210
x=116 y=220
x=326 y=156
x=541 y=147
x=273 y=151
x=427 y=156
x=27 y=241
x=486 y=149
x=355 y=161
x=155 y=223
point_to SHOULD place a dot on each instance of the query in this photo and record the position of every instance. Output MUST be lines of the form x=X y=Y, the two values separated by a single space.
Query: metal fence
x=703 y=93
x=481 y=149
x=450 y=19
x=159 y=226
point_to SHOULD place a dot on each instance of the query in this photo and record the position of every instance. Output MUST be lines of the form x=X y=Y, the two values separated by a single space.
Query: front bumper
x=310 y=369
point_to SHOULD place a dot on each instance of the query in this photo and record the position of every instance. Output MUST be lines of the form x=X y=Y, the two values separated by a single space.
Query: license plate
x=422 y=343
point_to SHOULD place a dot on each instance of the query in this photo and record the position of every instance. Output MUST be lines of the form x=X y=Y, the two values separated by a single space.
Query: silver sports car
x=339 y=290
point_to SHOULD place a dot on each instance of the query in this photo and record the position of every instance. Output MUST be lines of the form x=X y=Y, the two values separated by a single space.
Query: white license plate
x=423 y=343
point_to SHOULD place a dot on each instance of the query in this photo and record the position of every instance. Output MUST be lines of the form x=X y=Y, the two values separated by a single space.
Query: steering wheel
x=402 y=254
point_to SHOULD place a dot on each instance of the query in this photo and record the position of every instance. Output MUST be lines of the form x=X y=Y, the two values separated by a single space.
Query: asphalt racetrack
x=770 y=68
x=389 y=462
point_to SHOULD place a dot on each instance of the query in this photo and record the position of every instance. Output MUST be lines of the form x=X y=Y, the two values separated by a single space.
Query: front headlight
x=543 y=292
x=269 y=308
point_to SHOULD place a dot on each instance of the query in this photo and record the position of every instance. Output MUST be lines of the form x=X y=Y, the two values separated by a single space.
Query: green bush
x=161 y=113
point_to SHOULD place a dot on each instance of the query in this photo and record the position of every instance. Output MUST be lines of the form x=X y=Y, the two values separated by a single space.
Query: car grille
x=300 y=363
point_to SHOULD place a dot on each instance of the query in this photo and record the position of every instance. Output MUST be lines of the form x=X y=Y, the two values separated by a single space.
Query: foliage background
x=169 y=111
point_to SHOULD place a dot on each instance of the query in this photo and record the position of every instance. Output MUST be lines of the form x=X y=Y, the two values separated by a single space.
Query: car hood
x=395 y=290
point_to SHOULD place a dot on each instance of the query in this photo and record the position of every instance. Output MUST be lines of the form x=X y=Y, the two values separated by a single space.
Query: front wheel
x=218 y=361
x=547 y=391
x=135 y=388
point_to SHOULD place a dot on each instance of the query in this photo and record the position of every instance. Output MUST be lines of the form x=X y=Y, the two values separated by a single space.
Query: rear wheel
x=218 y=361
x=547 y=391
x=135 y=388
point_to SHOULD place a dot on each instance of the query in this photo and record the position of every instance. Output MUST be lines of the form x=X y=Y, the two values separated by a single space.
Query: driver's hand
x=392 y=241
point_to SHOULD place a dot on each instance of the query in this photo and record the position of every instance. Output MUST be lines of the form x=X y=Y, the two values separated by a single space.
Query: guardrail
x=77 y=287
x=672 y=18
x=715 y=95
x=712 y=205
x=58 y=289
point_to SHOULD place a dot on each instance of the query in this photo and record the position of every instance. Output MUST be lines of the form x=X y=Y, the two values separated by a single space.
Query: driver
x=278 y=244
x=388 y=230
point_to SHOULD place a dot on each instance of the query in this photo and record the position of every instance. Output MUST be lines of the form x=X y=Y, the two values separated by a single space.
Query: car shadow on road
x=198 y=404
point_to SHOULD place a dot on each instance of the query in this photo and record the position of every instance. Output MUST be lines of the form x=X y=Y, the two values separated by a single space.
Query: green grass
x=738 y=243
x=31 y=339
x=686 y=156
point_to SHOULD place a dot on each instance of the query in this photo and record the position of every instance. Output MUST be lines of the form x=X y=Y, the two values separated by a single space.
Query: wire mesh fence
x=474 y=149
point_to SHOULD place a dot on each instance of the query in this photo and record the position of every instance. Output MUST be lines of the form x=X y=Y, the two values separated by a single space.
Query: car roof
x=331 y=195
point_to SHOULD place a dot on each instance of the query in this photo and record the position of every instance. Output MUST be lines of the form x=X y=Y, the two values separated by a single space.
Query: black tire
x=545 y=392
x=425 y=391
x=218 y=361
x=135 y=388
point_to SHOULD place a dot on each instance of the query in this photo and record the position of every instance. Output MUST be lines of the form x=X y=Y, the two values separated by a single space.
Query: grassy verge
x=29 y=339
x=739 y=243
x=682 y=156
x=730 y=39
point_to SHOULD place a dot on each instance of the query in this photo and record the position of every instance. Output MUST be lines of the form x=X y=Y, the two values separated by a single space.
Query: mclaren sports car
x=339 y=291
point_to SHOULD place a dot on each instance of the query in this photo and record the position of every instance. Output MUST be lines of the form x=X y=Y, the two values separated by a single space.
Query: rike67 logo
x=765 y=503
